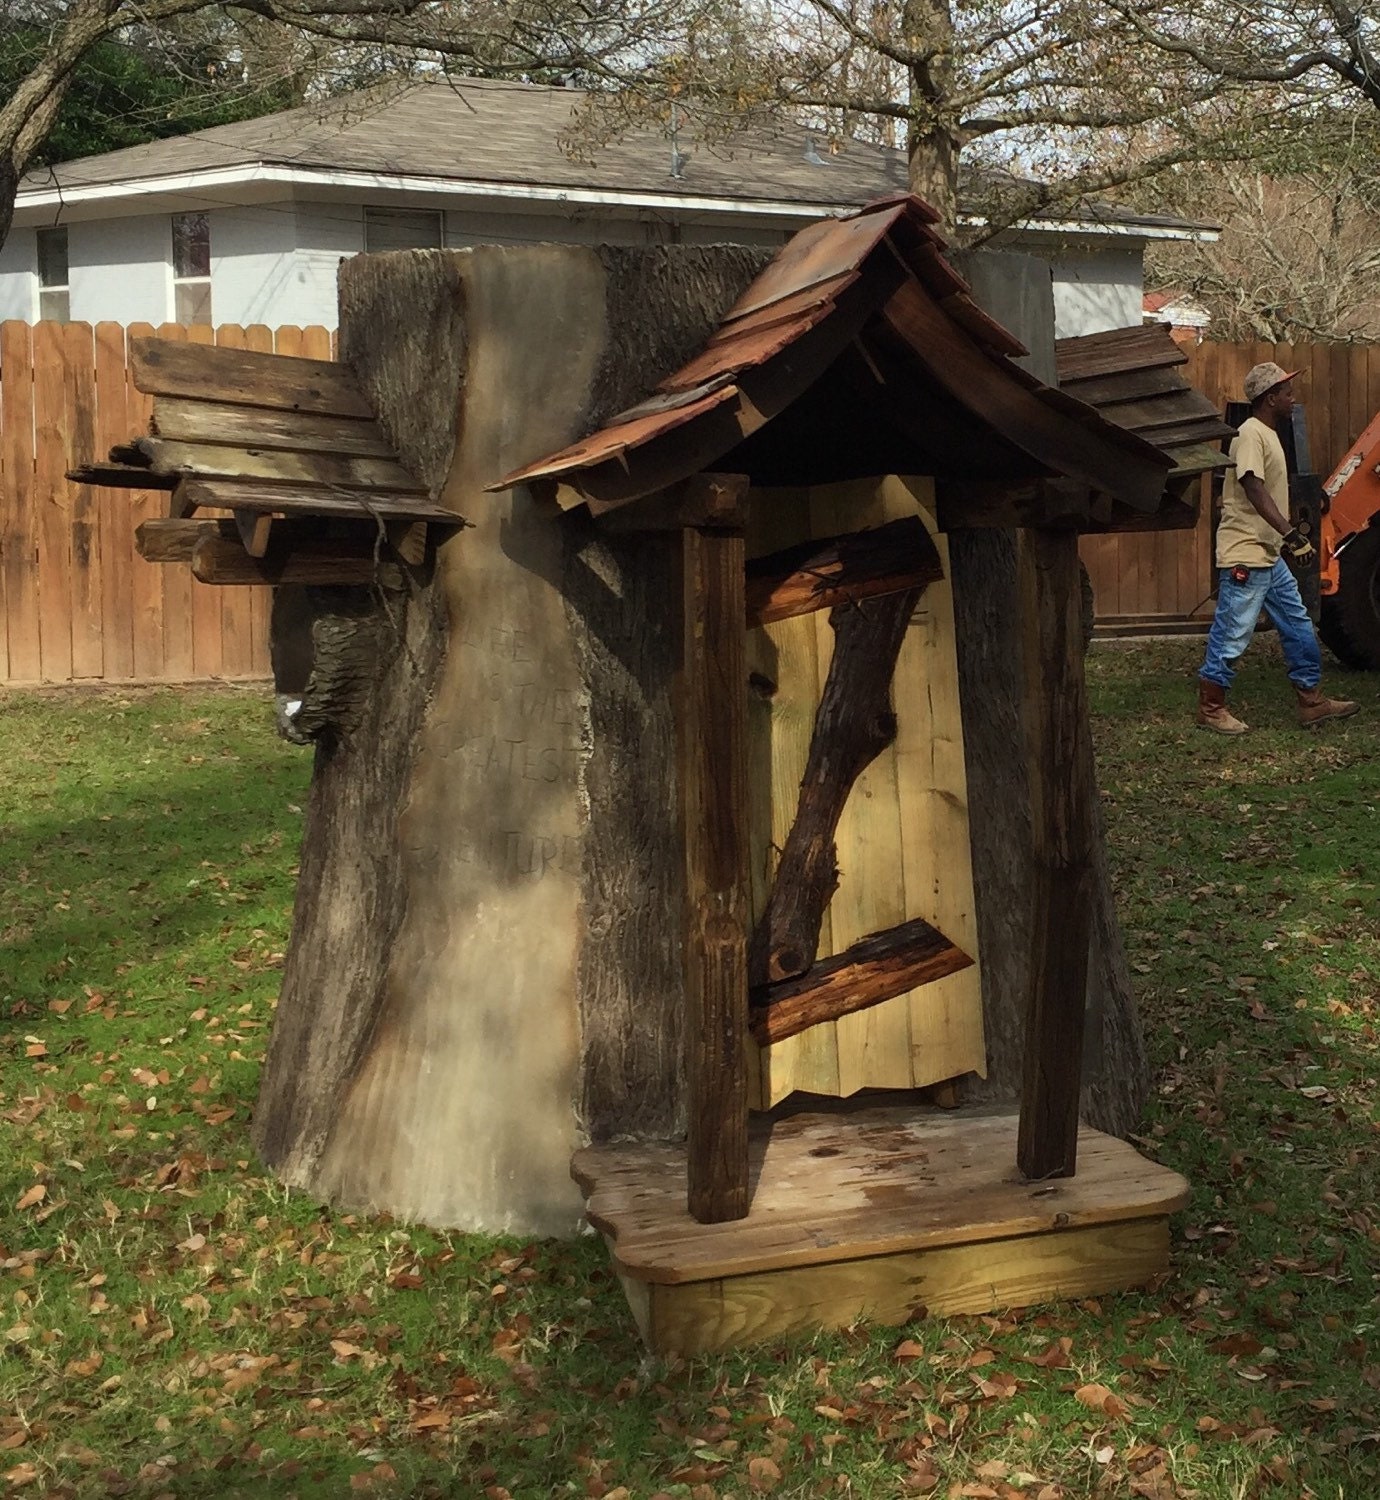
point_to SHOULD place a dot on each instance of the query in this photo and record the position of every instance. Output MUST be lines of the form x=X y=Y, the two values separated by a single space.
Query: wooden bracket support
x=1062 y=789
x=711 y=500
x=841 y=570
x=711 y=728
x=874 y=969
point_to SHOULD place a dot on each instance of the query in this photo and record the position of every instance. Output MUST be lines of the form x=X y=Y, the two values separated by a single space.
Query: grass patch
x=176 y=1324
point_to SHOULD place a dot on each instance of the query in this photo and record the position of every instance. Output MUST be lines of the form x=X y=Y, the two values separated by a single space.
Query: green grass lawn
x=175 y=1324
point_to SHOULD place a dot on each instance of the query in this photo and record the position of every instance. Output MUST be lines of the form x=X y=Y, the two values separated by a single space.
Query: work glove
x=1299 y=548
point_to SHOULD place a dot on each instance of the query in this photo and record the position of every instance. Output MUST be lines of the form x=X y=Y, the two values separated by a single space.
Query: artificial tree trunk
x=484 y=967
x=1116 y=1074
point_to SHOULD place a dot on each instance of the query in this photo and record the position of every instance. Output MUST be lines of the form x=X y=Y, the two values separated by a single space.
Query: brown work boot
x=1213 y=712
x=1315 y=706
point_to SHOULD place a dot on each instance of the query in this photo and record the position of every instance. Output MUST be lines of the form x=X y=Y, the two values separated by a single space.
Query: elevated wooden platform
x=877 y=1215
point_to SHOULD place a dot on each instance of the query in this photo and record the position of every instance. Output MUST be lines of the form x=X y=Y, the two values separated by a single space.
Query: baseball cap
x=1262 y=378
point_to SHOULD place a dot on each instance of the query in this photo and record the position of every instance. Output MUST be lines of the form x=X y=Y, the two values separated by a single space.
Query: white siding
x=1097 y=290
x=1097 y=286
x=19 y=276
x=326 y=234
x=252 y=265
x=120 y=269
x=583 y=226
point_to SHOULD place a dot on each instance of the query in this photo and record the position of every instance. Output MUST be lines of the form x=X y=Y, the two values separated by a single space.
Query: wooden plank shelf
x=877 y=1214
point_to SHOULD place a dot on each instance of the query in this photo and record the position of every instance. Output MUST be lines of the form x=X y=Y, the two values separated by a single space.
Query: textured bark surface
x=484 y=967
x=363 y=667
x=350 y=897
x=1115 y=1068
x=660 y=306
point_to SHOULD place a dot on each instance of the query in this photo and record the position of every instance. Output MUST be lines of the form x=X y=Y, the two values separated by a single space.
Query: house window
x=54 y=302
x=402 y=229
x=191 y=234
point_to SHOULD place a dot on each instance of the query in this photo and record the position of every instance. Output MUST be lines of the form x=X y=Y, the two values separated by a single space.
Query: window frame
x=195 y=285
x=49 y=290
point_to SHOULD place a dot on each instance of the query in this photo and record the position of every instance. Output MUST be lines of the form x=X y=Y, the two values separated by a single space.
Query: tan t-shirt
x=1244 y=535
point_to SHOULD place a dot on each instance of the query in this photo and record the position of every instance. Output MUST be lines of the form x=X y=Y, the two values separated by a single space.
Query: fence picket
x=77 y=602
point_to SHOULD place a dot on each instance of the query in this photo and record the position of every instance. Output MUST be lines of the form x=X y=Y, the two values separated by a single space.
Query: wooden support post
x=1062 y=789
x=711 y=719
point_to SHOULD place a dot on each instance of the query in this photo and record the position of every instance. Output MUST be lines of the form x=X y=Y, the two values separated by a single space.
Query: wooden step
x=874 y=1214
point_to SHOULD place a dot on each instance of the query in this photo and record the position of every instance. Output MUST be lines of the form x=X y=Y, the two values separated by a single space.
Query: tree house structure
x=643 y=822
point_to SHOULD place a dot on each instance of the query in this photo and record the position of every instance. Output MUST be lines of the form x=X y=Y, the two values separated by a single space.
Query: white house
x=246 y=223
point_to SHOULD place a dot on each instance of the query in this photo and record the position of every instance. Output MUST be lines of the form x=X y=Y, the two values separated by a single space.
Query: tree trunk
x=1115 y=1068
x=933 y=142
x=484 y=968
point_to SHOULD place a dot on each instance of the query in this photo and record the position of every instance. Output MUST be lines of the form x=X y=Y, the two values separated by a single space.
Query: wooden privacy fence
x=77 y=603
x=1166 y=576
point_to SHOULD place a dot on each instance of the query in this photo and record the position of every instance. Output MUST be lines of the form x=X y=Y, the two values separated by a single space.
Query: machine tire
x=1350 y=623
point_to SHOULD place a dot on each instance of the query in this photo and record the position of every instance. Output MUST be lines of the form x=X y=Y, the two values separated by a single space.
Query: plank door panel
x=903 y=837
x=874 y=1044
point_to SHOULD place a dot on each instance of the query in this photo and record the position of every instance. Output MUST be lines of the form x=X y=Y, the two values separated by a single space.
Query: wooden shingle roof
x=859 y=350
x=276 y=468
x=1135 y=378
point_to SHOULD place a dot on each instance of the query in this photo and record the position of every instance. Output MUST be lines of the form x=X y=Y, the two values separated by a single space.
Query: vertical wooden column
x=711 y=727
x=1062 y=788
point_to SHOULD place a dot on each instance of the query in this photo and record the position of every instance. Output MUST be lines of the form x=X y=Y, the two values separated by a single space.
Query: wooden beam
x=714 y=500
x=121 y=477
x=174 y=540
x=829 y=571
x=324 y=561
x=711 y=726
x=875 y=968
x=342 y=501
x=207 y=372
x=220 y=461
x=1103 y=458
x=185 y=421
x=1062 y=791
x=253 y=527
x=853 y=725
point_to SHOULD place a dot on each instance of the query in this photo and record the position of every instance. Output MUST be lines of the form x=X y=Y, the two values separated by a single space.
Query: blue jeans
x=1238 y=608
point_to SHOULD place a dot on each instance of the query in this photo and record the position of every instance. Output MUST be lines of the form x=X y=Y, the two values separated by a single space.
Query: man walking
x=1253 y=576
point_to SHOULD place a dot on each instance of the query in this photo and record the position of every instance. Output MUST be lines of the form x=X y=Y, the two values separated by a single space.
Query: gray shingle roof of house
x=505 y=133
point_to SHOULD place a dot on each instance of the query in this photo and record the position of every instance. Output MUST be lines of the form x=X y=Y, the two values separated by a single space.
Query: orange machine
x=1349 y=554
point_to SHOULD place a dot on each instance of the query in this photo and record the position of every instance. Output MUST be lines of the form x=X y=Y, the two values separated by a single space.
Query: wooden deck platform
x=877 y=1215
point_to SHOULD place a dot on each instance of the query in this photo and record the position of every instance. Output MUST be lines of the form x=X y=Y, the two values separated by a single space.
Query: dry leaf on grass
x=1102 y=1399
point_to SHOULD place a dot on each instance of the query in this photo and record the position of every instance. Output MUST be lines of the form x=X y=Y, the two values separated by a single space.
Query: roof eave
x=199 y=183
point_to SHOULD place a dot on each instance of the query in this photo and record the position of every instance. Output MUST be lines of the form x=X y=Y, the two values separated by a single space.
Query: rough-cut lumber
x=1062 y=790
x=1070 y=440
x=711 y=731
x=173 y=541
x=701 y=500
x=121 y=476
x=339 y=500
x=342 y=563
x=182 y=421
x=874 y=969
x=305 y=470
x=254 y=527
x=853 y=725
x=841 y=570
x=989 y=639
x=712 y=1317
x=215 y=373
x=856 y=1183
